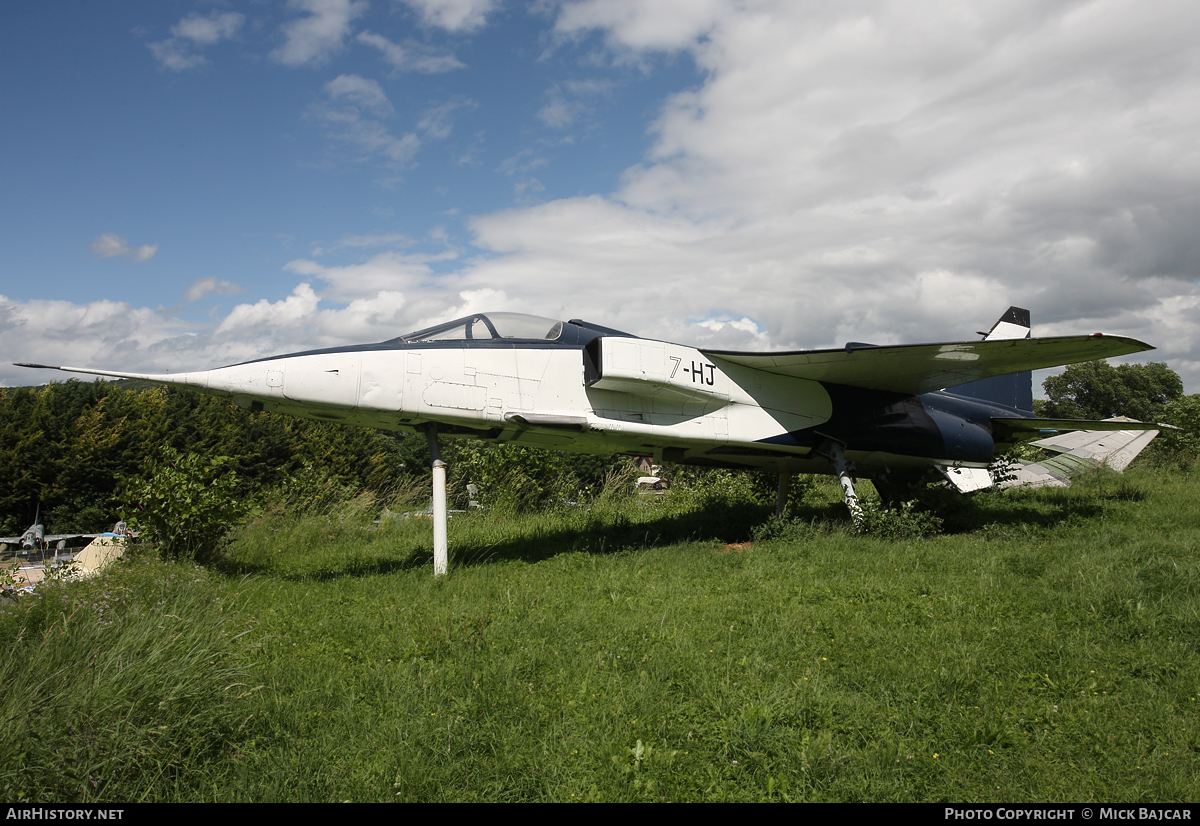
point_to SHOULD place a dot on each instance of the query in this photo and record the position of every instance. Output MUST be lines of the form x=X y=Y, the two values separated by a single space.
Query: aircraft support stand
x=440 y=544
x=844 y=468
x=781 y=495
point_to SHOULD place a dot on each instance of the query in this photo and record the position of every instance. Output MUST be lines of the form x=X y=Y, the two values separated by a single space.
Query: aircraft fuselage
x=614 y=395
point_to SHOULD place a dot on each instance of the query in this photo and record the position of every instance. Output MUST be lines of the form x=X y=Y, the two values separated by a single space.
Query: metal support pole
x=844 y=468
x=441 y=553
x=781 y=494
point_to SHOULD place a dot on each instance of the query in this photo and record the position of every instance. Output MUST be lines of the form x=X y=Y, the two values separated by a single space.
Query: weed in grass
x=11 y=581
x=906 y=521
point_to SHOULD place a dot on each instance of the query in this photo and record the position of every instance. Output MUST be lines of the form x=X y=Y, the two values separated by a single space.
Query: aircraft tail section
x=1014 y=390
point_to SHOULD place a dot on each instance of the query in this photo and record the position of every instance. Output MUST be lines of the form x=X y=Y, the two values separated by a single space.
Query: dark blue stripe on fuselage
x=932 y=425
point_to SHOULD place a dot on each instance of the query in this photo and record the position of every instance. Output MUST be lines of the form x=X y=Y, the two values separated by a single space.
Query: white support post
x=441 y=555
x=781 y=494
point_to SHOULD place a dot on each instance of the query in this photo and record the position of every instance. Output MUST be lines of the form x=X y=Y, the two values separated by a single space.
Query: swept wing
x=924 y=368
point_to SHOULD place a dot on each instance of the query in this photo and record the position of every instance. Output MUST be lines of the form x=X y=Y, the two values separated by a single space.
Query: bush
x=509 y=478
x=185 y=505
x=903 y=522
x=732 y=488
x=787 y=529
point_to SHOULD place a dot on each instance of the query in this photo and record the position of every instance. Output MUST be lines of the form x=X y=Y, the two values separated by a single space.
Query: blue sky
x=228 y=159
x=191 y=183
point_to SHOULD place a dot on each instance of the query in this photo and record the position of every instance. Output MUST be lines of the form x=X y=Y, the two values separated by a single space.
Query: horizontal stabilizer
x=1113 y=446
x=924 y=368
x=1114 y=449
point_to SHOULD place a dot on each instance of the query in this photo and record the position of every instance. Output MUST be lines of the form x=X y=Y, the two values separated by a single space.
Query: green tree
x=1097 y=390
x=1180 y=446
x=65 y=445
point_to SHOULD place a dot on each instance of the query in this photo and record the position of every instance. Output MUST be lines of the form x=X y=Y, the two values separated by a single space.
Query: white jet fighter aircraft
x=894 y=414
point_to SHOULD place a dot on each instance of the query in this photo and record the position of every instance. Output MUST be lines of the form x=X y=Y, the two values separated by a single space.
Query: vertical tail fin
x=1013 y=324
x=1016 y=389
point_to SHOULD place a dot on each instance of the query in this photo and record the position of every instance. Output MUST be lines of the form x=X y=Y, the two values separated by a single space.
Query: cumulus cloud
x=740 y=326
x=457 y=16
x=384 y=272
x=287 y=314
x=412 y=56
x=867 y=171
x=207 y=29
x=312 y=39
x=111 y=245
x=97 y=334
x=870 y=170
x=120 y=336
x=181 y=51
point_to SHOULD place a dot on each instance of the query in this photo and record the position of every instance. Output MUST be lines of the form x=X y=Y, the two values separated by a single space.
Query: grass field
x=1045 y=648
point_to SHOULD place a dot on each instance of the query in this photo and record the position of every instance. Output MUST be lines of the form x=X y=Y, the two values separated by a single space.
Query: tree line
x=71 y=449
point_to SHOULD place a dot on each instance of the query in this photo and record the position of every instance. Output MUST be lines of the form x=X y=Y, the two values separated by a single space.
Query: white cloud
x=646 y=24
x=202 y=287
x=207 y=29
x=873 y=171
x=314 y=38
x=412 y=56
x=437 y=121
x=354 y=115
x=456 y=16
x=100 y=333
x=385 y=272
x=363 y=93
x=742 y=325
x=386 y=239
x=196 y=30
x=111 y=245
x=176 y=54
x=269 y=317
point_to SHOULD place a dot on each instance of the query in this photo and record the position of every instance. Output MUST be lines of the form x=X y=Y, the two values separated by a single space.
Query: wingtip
x=36 y=366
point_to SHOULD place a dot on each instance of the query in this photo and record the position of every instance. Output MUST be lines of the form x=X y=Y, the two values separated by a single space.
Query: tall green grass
x=125 y=687
x=1044 y=648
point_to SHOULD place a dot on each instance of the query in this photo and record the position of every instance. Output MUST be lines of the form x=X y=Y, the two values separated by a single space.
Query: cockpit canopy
x=490 y=330
x=482 y=327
